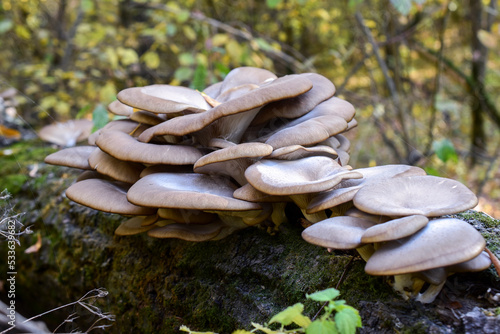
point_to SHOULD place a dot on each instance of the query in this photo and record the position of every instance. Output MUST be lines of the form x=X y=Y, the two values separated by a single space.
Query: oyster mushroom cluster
x=397 y=225
x=198 y=166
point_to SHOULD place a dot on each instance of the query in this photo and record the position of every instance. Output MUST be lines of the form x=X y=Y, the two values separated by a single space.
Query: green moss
x=486 y=220
x=13 y=183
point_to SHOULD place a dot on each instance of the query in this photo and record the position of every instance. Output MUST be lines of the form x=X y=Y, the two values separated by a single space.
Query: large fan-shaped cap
x=119 y=170
x=76 y=157
x=187 y=191
x=308 y=175
x=125 y=147
x=105 y=196
x=443 y=242
x=427 y=195
x=164 y=99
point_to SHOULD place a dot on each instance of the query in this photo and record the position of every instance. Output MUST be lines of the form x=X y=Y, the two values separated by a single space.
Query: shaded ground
x=158 y=285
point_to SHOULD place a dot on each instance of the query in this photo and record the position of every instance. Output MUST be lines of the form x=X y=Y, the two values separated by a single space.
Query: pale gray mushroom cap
x=278 y=89
x=337 y=232
x=250 y=194
x=346 y=191
x=296 y=152
x=298 y=106
x=66 y=134
x=188 y=232
x=132 y=226
x=119 y=170
x=123 y=125
x=125 y=147
x=394 y=229
x=443 y=242
x=75 y=157
x=105 y=196
x=187 y=191
x=146 y=117
x=317 y=125
x=232 y=161
x=120 y=109
x=245 y=75
x=164 y=99
x=187 y=216
x=427 y=195
x=308 y=175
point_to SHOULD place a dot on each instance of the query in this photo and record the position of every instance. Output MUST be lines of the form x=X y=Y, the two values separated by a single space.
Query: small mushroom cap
x=338 y=232
x=75 y=157
x=187 y=191
x=442 y=242
x=119 y=170
x=125 y=147
x=120 y=109
x=295 y=152
x=164 y=99
x=394 y=229
x=146 y=117
x=132 y=226
x=298 y=106
x=308 y=175
x=105 y=196
x=232 y=161
x=281 y=88
x=479 y=263
x=188 y=232
x=427 y=195
x=66 y=134
x=250 y=194
x=245 y=75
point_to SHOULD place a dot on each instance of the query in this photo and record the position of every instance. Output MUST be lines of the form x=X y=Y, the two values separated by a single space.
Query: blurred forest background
x=424 y=75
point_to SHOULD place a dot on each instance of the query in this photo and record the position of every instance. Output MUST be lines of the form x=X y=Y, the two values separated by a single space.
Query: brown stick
x=494 y=260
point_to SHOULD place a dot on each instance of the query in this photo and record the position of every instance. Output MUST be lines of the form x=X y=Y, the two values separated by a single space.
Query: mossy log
x=155 y=286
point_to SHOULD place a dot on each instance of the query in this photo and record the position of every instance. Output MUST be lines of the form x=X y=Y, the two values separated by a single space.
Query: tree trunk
x=157 y=285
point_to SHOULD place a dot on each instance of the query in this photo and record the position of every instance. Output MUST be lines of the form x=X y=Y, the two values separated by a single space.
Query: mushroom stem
x=278 y=216
x=494 y=260
x=366 y=251
x=314 y=217
x=431 y=293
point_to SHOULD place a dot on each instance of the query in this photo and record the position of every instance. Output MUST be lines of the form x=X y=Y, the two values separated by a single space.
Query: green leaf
x=272 y=3
x=292 y=314
x=183 y=73
x=347 y=320
x=186 y=59
x=99 y=117
x=199 y=79
x=325 y=295
x=445 y=150
x=322 y=327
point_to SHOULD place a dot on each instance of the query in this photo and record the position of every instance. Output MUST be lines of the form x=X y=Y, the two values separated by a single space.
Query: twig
x=494 y=260
x=296 y=65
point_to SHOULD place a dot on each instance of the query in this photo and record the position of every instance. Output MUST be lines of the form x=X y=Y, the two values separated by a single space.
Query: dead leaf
x=35 y=247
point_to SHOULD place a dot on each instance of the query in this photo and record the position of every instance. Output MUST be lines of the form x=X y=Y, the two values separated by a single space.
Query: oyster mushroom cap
x=346 y=191
x=232 y=161
x=245 y=75
x=164 y=99
x=281 y=88
x=298 y=106
x=132 y=226
x=125 y=147
x=105 y=196
x=427 y=195
x=308 y=175
x=66 y=134
x=75 y=157
x=120 y=109
x=187 y=191
x=394 y=229
x=188 y=232
x=119 y=170
x=295 y=152
x=338 y=232
x=442 y=242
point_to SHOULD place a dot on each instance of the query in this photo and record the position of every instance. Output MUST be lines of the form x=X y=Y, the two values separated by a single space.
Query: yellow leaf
x=151 y=59
x=487 y=39
x=220 y=39
x=112 y=57
x=22 y=32
x=9 y=133
x=127 y=56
